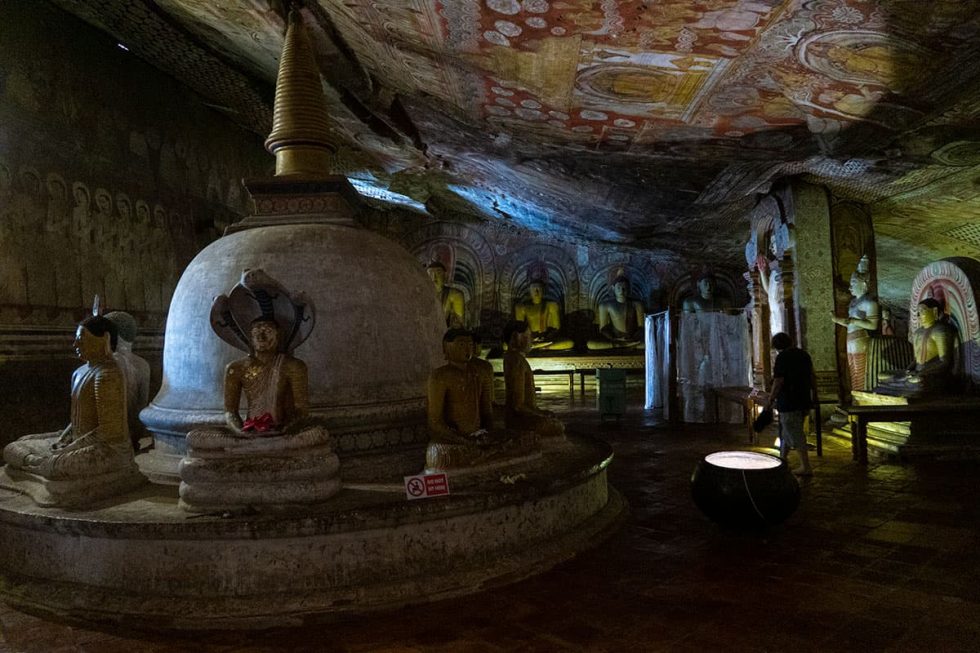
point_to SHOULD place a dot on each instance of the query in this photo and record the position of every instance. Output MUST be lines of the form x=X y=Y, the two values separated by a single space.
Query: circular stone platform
x=141 y=561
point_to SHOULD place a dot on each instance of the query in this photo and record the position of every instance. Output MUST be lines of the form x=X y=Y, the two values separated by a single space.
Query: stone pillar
x=787 y=272
x=814 y=272
x=761 y=366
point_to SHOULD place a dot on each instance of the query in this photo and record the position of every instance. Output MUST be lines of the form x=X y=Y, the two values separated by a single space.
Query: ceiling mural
x=620 y=121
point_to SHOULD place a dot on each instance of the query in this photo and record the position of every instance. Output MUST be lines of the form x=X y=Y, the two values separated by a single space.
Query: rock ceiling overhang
x=645 y=122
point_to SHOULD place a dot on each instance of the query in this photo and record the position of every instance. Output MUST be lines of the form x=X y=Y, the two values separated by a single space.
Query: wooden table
x=572 y=364
x=741 y=395
x=861 y=416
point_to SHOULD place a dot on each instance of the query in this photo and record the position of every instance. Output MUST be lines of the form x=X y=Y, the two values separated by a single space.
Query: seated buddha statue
x=544 y=319
x=620 y=320
x=91 y=458
x=934 y=344
x=520 y=406
x=460 y=415
x=136 y=372
x=451 y=299
x=706 y=299
x=277 y=455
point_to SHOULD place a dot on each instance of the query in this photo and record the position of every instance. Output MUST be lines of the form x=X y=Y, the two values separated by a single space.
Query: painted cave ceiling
x=653 y=123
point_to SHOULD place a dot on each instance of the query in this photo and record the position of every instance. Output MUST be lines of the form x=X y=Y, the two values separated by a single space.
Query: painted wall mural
x=626 y=121
x=621 y=71
x=111 y=177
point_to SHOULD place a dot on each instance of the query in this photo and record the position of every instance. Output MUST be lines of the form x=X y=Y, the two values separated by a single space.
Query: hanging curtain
x=713 y=350
x=657 y=333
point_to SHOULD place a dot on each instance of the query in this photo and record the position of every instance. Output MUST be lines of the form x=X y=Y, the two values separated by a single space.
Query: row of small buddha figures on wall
x=278 y=455
x=95 y=240
x=620 y=320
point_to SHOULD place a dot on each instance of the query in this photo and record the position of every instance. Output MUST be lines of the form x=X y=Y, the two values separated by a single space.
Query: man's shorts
x=791 y=427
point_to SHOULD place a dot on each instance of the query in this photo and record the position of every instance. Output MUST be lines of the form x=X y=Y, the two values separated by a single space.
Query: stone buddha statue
x=92 y=458
x=277 y=455
x=460 y=415
x=136 y=372
x=863 y=317
x=520 y=407
x=935 y=345
x=453 y=303
x=543 y=316
x=620 y=320
x=706 y=299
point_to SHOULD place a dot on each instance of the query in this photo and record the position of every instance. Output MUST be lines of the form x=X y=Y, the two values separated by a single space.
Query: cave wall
x=112 y=177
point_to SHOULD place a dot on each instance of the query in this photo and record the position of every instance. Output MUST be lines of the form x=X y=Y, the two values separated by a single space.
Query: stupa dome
x=377 y=336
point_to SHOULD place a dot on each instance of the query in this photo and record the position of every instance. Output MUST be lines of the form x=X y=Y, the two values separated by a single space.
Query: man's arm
x=777 y=387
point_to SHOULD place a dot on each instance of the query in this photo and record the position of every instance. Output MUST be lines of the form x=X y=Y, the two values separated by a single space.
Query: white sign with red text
x=424 y=486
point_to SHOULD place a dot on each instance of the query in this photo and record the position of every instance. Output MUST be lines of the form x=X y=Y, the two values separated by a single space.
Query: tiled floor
x=879 y=559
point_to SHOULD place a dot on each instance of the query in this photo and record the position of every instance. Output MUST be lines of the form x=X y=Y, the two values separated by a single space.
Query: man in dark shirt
x=794 y=391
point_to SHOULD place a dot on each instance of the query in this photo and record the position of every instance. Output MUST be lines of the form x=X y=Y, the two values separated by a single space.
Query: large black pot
x=745 y=489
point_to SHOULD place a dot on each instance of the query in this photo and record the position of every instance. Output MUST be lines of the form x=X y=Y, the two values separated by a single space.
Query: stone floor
x=884 y=558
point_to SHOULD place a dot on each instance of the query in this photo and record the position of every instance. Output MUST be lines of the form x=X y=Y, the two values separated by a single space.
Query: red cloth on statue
x=260 y=424
x=858 y=365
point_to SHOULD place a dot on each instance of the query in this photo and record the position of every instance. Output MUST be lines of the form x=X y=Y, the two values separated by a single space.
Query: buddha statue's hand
x=64 y=439
x=450 y=436
x=479 y=436
x=71 y=440
x=234 y=422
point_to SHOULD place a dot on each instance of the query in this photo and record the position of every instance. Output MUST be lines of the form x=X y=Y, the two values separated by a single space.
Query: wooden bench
x=860 y=416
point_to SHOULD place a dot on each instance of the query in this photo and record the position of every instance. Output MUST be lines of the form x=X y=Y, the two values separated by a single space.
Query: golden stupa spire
x=300 y=138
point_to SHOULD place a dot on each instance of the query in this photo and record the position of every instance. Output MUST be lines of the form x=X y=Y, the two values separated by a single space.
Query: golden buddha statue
x=620 y=320
x=935 y=345
x=136 y=372
x=91 y=458
x=274 y=384
x=277 y=455
x=460 y=415
x=521 y=409
x=544 y=319
x=450 y=298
